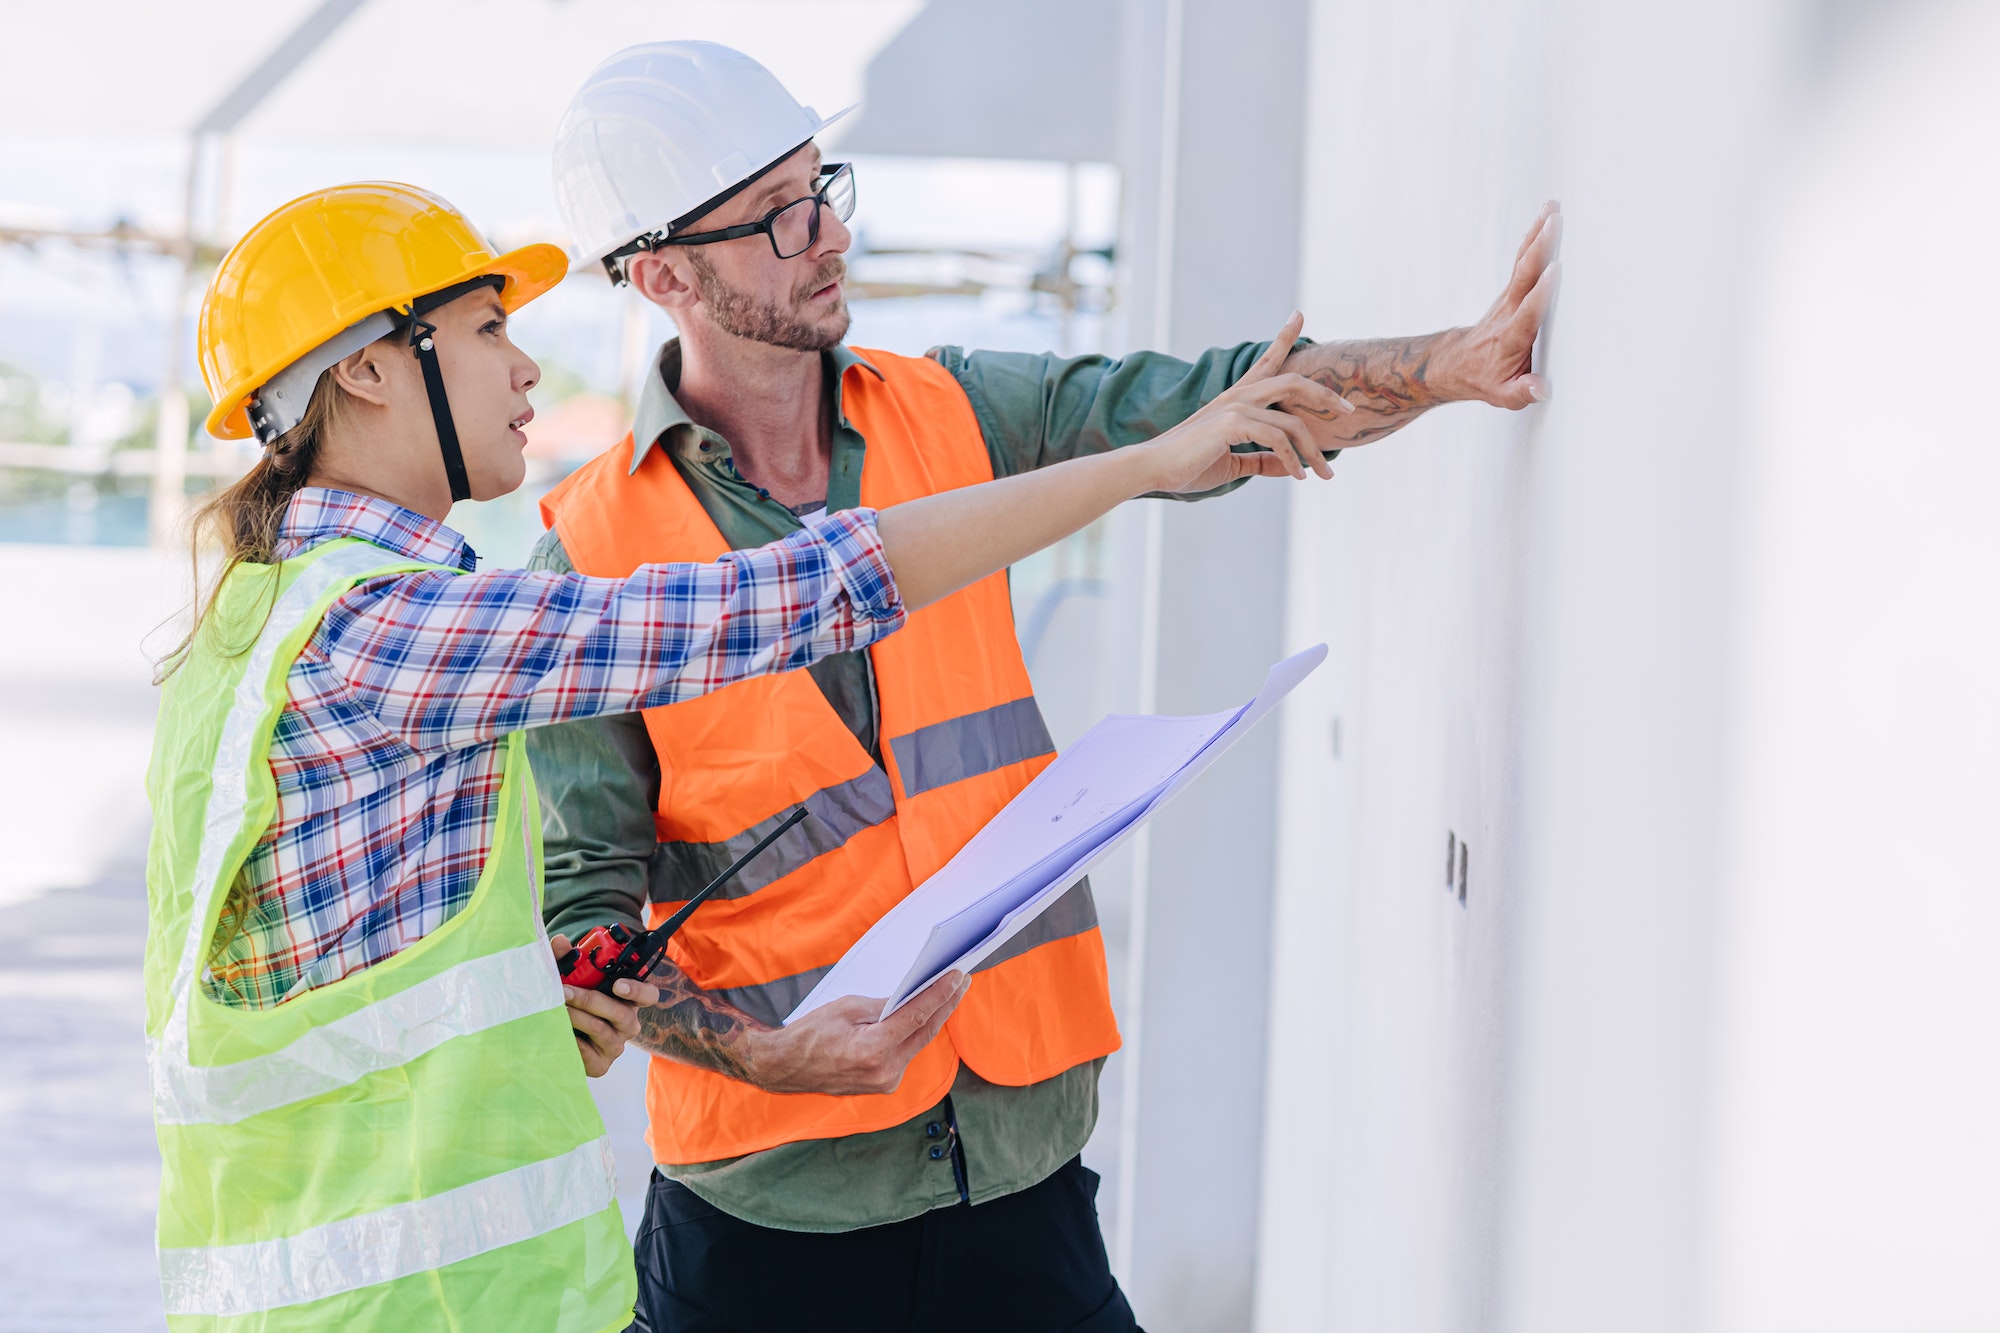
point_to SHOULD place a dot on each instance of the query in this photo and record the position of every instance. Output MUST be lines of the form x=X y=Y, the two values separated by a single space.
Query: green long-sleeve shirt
x=600 y=780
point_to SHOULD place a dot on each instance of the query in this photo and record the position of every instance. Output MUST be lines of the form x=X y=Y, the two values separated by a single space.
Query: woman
x=368 y=1110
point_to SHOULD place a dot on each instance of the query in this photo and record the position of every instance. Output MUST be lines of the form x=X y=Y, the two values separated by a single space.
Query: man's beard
x=768 y=322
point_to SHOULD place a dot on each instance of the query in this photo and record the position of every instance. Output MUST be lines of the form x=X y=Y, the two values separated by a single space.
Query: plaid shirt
x=389 y=752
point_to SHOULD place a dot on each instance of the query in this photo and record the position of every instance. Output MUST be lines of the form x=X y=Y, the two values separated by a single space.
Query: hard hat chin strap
x=423 y=341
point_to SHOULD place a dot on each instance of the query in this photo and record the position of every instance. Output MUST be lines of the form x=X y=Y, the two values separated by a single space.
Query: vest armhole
x=982 y=414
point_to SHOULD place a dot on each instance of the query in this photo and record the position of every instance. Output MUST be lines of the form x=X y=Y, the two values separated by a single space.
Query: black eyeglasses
x=793 y=228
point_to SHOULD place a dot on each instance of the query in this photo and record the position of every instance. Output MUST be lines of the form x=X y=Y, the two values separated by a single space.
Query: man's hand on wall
x=1393 y=381
x=1489 y=362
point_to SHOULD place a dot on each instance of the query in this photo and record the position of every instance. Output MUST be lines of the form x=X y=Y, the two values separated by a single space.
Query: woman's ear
x=363 y=375
x=660 y=279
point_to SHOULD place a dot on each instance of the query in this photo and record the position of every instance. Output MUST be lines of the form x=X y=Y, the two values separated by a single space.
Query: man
x=921 y=1172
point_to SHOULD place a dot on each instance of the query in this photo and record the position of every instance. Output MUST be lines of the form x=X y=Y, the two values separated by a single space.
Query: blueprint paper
x=1074 y=814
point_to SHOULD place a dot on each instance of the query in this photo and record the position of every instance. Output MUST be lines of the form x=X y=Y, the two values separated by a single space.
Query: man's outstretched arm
x=1038 y=410
x=1393 y=381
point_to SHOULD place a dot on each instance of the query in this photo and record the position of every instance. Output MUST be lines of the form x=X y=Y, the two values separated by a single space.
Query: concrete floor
x=78 y=1165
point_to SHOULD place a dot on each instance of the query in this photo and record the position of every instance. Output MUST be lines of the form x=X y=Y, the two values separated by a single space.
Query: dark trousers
x=1031 y=1262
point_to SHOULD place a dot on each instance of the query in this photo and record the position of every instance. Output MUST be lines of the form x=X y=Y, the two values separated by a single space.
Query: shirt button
x=937 y=1153
x=933 y=1129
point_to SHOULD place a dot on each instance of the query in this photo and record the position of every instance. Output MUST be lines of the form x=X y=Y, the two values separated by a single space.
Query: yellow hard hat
x=323 y=265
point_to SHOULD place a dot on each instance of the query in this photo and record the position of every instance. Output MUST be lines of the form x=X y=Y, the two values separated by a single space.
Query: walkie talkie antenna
x=673 y=923
x=607 y=955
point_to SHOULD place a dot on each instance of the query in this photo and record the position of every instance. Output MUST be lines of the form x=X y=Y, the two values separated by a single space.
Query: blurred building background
x=1598 y=942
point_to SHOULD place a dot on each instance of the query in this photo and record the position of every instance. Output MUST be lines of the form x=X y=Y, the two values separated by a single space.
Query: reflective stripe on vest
x=964 y=747
x=961 y=736
x=833 y=815
x=477 y=994
x=394 y=1242
x=278 y=1206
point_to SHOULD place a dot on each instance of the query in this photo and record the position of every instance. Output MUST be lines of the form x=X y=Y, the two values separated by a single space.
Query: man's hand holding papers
x=1061 y=825
x=845 y=1049
x=848 y=1049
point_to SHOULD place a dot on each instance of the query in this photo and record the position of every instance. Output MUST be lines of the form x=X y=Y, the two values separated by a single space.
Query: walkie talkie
x=608 y=954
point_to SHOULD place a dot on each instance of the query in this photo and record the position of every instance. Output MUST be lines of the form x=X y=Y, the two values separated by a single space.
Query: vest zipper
x=957 y=1152
x=874 y=709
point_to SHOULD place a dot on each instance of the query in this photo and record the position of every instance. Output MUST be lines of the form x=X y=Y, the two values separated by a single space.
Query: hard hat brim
x=529 y=271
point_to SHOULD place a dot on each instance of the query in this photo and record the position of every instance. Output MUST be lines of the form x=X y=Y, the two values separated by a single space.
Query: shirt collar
x=320 y=514
x=660 y=414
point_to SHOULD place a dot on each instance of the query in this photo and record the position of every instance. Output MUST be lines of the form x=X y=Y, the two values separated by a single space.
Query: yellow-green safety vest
x=411 y=1147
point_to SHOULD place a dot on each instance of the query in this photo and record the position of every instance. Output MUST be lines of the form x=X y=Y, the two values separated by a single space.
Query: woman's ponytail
x=242 y=521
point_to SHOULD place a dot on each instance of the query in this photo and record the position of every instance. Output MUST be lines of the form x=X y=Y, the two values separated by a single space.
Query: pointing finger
x=1272 y=357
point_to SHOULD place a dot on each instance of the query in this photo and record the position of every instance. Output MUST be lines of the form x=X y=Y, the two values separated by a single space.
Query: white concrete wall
x=1391 y=1045
x=1855 y=1166
x=1697 y=659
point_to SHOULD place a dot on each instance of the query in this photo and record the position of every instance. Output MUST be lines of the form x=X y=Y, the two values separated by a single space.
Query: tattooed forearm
x=695 y=1028
x=1390 y=381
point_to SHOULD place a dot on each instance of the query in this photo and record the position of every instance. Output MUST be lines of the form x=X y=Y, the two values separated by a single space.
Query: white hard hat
x=661 y=133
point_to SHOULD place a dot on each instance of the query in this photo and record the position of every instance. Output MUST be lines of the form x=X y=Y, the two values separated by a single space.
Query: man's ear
x=663 y=279
x=363 y=375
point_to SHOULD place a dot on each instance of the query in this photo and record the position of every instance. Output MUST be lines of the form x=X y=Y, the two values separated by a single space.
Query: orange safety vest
x=960 y=735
